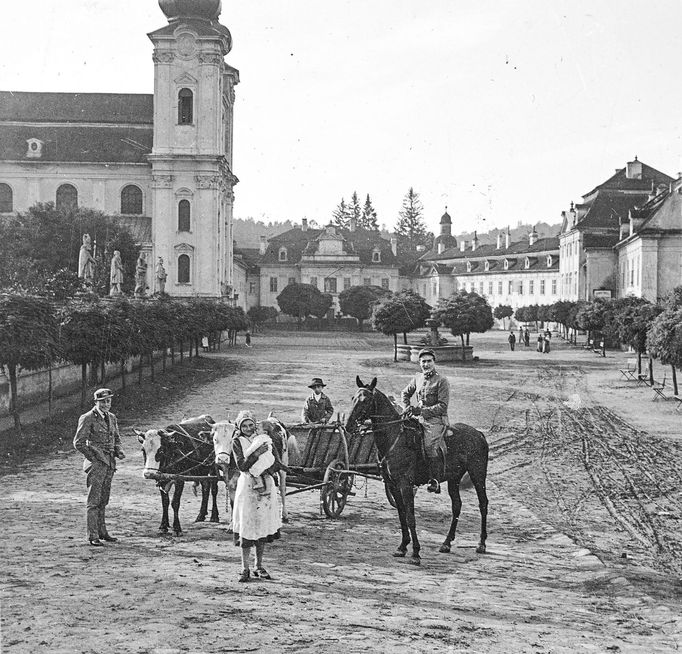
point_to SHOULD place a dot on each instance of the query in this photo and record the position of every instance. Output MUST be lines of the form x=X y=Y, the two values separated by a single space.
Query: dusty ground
x=584 y=548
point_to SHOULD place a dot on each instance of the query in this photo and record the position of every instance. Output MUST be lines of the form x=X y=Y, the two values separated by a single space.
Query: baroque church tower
x=191 y=160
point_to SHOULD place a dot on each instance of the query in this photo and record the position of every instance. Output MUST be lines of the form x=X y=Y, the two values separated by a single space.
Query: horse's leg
x=283 y=494
x=165 y=501
x=453 y=491
x=203 y=509
x=213 y=484
x=400 y=506
x=407 y=491
x=179 y=486
x=478 y=480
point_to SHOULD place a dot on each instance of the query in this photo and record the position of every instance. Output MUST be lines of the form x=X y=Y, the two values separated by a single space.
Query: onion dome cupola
x=202 y=9
x=445 y=239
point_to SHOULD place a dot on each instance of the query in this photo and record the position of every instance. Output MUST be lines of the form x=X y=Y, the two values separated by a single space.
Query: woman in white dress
x=256 y=517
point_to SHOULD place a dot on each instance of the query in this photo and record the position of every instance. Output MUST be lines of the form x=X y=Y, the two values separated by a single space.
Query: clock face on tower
x=186 y=46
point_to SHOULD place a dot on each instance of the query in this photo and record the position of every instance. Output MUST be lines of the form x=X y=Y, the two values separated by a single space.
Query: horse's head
x=362 y=404
x=152 y=442
x=223 y=433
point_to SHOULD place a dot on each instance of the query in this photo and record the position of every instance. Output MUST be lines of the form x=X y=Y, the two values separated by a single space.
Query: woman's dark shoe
x=96 y=542
x=261 y=573
x=244 y=576
x=109 y=539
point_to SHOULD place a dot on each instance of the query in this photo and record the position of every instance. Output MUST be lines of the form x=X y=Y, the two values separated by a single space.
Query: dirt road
x=584 y=549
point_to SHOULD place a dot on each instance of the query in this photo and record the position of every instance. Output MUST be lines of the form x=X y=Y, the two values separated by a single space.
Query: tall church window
x=185 y=107
x=183 y=216
x=67 y=198
x=6 y=199
x=131 y=200
x=183 y=269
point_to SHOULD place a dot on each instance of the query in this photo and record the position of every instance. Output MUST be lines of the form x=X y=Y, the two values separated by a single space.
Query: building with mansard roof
x=331 y=259
x=591 y=229
x=516 y=274
x=649 y=249
x=162 y=163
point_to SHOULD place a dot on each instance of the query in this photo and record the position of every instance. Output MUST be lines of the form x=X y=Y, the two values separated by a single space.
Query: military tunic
x=433 y=396
x=98 y=440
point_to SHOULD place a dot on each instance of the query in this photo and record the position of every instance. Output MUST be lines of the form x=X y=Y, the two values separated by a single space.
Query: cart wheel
x=339 y=483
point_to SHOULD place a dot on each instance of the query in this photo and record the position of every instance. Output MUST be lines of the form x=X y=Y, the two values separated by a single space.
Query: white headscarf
x=244 y=415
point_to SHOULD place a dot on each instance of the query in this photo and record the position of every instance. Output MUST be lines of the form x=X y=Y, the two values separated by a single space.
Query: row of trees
x=36 y=333
x=410 y=227
x=645 y=326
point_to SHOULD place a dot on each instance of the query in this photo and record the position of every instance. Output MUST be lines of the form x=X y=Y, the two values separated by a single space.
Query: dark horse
x=403 y=468
x=184 y=449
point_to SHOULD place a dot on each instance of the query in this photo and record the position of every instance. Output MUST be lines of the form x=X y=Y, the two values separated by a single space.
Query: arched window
x=282 y=254
x=67 y=198
x=183 y=269
x=376 y=256
x=468 y=266
x=185 y=108
x=487 y=266
x=6 y=199
x=549 y=260
x=131 y=200
x=506 y=264
x=183 y=216
x=527 y=263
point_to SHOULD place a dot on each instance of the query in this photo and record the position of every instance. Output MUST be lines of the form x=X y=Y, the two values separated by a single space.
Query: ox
x=283 y=441
x=184 y=449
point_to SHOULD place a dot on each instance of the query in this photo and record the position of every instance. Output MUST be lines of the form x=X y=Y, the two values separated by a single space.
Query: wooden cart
x=331 y=459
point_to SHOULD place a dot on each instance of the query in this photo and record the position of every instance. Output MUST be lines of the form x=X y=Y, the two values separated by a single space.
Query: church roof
x=621 y=182
x=120 y=108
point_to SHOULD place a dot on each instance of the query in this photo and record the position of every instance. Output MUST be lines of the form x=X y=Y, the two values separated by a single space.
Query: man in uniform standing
x=433 y=395
x=98 y=440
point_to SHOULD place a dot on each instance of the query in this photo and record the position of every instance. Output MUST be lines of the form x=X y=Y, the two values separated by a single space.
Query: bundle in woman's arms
x=266 y=459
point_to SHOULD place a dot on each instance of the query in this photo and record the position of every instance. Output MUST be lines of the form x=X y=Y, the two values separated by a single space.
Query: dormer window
x=549 y=260
x=506 y=264
x=376 y=256
x=282 y=254
x=468 y=266
x=35 y=148
x=487 y=266
x=527 y=263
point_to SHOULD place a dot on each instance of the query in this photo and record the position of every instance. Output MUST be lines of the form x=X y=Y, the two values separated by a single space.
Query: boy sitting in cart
x=318 y=407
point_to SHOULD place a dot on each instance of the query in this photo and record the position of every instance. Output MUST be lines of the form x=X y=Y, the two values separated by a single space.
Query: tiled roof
x=490 y=250
x=117 y=108
x=360 y=242
x=621 y=182
x=608 y=208
x=250 y=256
x=77 y=143
x=599 y=240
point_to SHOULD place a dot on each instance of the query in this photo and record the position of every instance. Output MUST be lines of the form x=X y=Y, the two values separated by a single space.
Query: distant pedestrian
x=547 y=337
x=512 y=340
x=247 y=339
x=526 y=338
x=520 y=339
x=541 y=342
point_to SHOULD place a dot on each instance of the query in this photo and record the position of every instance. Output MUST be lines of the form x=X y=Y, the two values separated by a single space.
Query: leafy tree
x=410 y=227
x=612 y=316
x=403 y=312
x=590 y=317
x=633 y=323
x=259 y=315
x=299 y=300
x=341 y=215
x=503 y=311
x=463 y=313
x=28 y=338
x=674 y=299
x=357 y=301
x=321 y=305
x=664 y=339
x=369 y=219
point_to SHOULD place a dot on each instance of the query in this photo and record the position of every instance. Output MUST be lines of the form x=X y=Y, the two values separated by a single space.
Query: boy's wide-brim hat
x=102 y=394
x=316 y=382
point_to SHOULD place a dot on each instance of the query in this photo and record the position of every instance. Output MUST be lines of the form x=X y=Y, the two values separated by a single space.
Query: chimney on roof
x=499 y=240
x=507 y=239
x=462 y=245
x=394 y=245
x=634 y=169
x=533 y=236
x=304 y=224
x=474 y=242
x=573 y=215
x=441 y=247
x=623 y=228
x=263 y=245
x=353 y=224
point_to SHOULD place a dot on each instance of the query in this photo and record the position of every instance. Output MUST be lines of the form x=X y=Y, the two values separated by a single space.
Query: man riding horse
x=433 y=393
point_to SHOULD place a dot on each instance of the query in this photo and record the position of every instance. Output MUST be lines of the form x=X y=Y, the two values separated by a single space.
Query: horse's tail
x=292 y=448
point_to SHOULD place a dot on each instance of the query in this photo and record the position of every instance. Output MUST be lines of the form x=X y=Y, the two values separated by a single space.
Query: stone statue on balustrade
x=116 y=275
x=141 y=276
x=161 y=276
x=86 y=262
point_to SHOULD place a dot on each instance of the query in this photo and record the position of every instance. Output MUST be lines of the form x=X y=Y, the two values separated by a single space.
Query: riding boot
x=434 y=463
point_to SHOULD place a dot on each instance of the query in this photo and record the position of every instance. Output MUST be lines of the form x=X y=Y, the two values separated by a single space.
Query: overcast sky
x=503 y=111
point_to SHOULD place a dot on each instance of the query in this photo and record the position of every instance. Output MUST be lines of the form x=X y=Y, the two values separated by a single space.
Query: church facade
x=161 y=163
